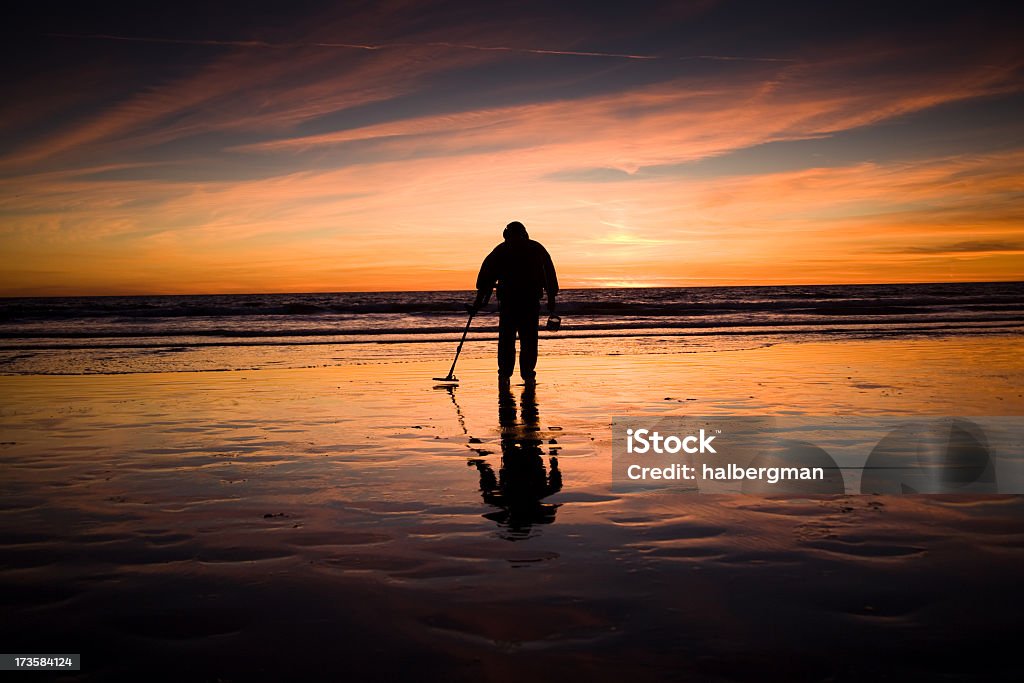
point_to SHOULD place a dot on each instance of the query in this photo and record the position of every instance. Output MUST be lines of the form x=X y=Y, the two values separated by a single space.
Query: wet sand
x=358 y=522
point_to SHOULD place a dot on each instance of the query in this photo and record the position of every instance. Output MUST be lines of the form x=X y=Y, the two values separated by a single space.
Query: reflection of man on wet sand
x=523 y=480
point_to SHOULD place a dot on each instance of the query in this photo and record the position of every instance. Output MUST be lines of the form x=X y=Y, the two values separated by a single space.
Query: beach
x=512 y=342
x=348 y=521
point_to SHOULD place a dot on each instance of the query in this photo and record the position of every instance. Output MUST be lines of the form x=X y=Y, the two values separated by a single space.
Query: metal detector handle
x=461 y=342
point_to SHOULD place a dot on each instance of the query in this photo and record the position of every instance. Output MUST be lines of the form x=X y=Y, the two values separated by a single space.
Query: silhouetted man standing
x=523 y=272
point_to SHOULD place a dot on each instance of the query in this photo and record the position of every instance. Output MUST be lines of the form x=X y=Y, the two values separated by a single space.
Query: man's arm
x=485 y=281
x=550 y=279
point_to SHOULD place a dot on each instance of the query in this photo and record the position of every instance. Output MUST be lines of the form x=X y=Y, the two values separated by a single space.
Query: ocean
x=132 y=334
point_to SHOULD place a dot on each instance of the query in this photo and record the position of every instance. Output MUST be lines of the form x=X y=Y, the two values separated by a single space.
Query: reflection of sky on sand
x=339 y=500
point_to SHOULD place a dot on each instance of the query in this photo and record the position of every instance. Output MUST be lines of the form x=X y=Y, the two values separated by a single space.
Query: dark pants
x=518 y=318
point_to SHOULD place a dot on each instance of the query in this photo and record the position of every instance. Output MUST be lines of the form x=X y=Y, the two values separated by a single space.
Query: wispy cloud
x=969 y=247
x=399 y=45
x=611 y=136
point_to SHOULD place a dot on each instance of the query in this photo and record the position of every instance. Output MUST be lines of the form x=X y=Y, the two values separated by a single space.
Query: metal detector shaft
x=461 y=342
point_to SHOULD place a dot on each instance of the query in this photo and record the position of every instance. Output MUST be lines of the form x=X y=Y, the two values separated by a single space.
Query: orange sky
x=313 y=168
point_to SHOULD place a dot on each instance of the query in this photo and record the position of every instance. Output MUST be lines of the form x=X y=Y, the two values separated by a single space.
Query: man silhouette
x=522 y=270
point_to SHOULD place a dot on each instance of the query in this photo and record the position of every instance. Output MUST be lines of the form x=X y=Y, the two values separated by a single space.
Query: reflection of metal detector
x=451 y=378
x=450 y=388
x=471 y=442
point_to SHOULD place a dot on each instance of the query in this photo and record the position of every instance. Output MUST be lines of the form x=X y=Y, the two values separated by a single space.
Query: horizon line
x=567 y=289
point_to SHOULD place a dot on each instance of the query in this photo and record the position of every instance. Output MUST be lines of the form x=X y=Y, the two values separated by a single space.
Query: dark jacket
x=521 y=269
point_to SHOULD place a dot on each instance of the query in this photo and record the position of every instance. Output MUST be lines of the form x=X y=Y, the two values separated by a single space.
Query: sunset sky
x=305 y=146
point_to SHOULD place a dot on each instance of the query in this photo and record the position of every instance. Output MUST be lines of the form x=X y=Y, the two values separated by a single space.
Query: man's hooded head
x=515 y=231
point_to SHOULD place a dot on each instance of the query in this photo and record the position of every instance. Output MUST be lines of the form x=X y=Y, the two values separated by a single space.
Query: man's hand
x=483 y=297
x=551 y=304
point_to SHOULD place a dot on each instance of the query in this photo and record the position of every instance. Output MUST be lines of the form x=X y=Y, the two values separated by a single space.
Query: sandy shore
x=350 y=521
